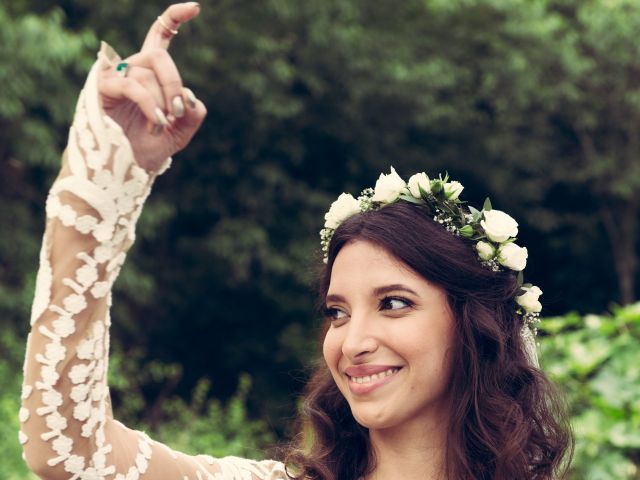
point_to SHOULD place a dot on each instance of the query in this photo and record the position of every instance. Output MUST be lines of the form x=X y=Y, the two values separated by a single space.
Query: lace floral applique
x=92 y=210
x=104 y=180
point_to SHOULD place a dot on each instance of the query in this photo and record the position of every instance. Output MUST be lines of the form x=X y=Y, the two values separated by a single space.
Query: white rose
x=529 y=299
x=486 y=251
x=418 y=181
x=388 y=187
x=344 y=207
x=499 y=226
x=512 y=256
x=452 y=190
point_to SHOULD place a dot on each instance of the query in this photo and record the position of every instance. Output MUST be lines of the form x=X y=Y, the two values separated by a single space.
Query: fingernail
x=177 y=106
x=162 y=122
x=193 y=4
x=191 y=98
x=162 y=119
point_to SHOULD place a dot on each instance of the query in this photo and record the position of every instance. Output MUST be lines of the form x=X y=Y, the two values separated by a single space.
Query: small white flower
x=89 y=426
x=102 y=253
x=56 y=422
x=85 y=223
x=99 y=460
x=529 y=299
x=513 y=256
x=103 y=231
x=344 y=207
x=388 y=187
x=418 y=181
x=67 y=215
x=486 y=251
x=452 y=190
x=54 y=352
x=82 y=411
x=79 y=392
x=79 y=373
x=499 y=226
x=62 y=445
x=100 y=289
x=86 y=275
x=74 y=303
x=74 y=464
x=49 y=375
x=52 y=398
x=133 y=474
x=64 y=326
x=53 y=206
x=85 y=350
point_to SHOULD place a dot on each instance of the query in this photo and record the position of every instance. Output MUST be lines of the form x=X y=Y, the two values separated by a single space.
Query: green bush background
x=535 y=103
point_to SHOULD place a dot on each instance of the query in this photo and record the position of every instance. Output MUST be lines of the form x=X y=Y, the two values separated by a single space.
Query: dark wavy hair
x=507 y=420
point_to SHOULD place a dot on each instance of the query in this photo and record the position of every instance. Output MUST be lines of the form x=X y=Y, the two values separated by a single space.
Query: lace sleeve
x=67 y=429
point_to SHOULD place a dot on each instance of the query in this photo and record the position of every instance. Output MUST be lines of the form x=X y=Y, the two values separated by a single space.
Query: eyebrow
x=376 y=292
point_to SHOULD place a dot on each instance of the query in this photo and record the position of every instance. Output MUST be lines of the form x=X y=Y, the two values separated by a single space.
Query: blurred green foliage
x=596 y=361
x=532 y=102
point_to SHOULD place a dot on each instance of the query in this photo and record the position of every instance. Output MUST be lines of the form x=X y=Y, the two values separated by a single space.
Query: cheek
x=331 y=350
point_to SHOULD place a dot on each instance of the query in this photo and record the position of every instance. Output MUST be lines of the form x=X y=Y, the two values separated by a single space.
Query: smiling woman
x=430 y=358
x=430 y=369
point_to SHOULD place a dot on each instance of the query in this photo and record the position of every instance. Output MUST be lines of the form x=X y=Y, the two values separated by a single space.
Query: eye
x=395 y=303
x=334 y=314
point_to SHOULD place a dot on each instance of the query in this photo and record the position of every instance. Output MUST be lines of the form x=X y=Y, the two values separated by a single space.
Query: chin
x=373 y=418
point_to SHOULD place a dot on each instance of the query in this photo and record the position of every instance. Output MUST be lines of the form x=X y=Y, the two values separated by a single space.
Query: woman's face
x=390 y=341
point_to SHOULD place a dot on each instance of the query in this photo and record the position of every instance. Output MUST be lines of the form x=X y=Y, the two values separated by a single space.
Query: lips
x=364 y=379
x=364 y=370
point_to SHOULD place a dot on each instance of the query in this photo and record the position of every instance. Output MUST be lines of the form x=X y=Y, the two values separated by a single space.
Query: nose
x=360 y=340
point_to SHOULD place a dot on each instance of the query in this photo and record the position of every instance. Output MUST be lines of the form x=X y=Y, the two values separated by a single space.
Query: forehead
x=365 y=263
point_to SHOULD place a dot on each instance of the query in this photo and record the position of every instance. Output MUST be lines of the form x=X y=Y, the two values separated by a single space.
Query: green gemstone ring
x=122 y=69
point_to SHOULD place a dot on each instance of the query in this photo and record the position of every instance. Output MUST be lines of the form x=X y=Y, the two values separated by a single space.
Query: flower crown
x=493 y=231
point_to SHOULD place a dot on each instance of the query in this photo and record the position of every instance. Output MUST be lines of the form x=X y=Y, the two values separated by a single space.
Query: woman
x=430 y=370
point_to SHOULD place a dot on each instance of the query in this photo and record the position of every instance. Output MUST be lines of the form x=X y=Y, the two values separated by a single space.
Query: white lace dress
x=67 y=428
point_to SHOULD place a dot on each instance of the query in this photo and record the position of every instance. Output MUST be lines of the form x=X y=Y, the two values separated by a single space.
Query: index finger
x=159 y=35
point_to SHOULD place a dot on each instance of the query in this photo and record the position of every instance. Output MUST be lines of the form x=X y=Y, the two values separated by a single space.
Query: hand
x=158 y=115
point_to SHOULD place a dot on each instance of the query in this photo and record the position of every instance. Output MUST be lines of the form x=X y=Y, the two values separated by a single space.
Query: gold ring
x=172 y=31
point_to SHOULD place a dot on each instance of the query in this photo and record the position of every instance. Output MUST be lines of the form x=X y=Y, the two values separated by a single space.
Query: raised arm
x=115 y=151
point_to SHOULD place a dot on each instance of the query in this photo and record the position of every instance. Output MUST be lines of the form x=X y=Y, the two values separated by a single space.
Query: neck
x=411 y=452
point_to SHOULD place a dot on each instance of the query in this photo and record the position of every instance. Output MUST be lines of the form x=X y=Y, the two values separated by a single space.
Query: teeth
x=375 y=376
